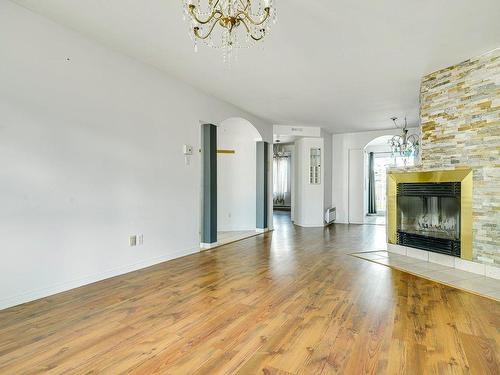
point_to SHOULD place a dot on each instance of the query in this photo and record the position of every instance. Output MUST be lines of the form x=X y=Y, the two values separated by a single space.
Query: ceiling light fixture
x=229 y=24
x=405 y=145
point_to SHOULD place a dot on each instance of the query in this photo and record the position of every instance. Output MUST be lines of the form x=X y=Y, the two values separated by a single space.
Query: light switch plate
x=132 y=240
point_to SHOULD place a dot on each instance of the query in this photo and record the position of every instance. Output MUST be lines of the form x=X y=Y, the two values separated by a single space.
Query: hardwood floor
x=288 y=302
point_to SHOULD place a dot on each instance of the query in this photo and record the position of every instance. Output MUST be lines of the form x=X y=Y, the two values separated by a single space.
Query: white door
x=356 y=186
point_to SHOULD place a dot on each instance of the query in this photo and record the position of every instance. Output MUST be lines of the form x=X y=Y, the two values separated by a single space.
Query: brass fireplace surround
x=464 y=176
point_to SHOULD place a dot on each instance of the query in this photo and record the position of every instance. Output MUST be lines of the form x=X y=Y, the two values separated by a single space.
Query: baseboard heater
x=330 y=215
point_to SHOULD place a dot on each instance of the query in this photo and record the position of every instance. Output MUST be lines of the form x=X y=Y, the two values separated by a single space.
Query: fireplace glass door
x=428 y=216
x=437 y=217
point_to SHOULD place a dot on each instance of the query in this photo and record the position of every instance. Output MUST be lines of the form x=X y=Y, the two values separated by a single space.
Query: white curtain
x=280 y=178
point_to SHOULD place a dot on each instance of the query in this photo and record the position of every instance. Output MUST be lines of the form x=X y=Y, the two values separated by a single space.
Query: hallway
x=290 y=301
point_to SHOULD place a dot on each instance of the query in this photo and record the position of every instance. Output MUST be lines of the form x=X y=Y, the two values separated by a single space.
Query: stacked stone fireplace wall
x=460 y=120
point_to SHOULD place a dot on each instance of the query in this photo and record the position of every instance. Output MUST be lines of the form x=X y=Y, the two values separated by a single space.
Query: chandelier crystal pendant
x=229 y=24
x=405 y=145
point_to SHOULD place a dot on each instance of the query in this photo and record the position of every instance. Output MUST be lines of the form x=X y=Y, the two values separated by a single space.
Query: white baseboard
x=50 y=290
x=207 y=246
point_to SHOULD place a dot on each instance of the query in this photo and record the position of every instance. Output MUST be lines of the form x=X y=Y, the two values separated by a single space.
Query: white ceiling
x=345 y=65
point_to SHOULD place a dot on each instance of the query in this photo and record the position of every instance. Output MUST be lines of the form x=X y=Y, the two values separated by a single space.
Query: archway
x=378 y=157
x=371 y=169
x=237 y=181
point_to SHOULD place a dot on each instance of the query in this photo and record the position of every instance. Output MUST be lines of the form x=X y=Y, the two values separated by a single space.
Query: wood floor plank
x=288 y=302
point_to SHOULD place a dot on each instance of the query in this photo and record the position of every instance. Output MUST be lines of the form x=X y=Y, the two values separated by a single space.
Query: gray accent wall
x=209 y=183
x=262 y=184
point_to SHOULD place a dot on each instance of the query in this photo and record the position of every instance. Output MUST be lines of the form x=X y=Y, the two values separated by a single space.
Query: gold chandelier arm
x=245 y=7
x=256 y=38
x=260 y=37
x=217 y=14
x=196 y=31
x=253 y=22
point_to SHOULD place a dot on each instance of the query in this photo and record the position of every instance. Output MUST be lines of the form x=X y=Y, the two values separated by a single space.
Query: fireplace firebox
x=428 y=216
x=431 y=210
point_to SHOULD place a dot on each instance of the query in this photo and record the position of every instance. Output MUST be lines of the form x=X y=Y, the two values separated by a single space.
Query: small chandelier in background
x=405 y=145
x=278 y=150
x=229 y=24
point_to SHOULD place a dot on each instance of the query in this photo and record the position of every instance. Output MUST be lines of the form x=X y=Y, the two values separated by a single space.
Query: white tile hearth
x=373 y=256
x=396 y=249
x=402 y=258
x=467 y=265
x=416 y=253
x=481 y=285
x=442 y=271
x=495 y=295
x=422 y=267
x=445 y=260
x=392 y=262
x=492 y=271
x=450 y=275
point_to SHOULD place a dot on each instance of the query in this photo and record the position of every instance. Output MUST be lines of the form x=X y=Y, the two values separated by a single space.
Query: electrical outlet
x=132 y=240
x=140 y=239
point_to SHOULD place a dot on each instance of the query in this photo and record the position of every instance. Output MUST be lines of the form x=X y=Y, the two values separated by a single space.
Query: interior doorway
x=376 y=190
x=378 y=159
x=283 y=177
x=234 y=182
x=367 y=175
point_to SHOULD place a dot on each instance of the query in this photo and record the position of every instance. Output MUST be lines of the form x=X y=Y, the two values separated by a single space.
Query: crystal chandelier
x=279 y=151
x=229 y=24
x=405 y=145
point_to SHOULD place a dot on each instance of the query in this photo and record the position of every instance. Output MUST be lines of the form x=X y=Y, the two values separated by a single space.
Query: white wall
x=236 y=175
x=297 y=131
x=328 y=166
x=343 y=145
x=356 y=176
x=310 y=198
x=378 y=149
x=91 y=152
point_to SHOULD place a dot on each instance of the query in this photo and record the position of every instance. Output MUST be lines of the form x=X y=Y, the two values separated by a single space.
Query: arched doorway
x=235 y=183
x=378 y=158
